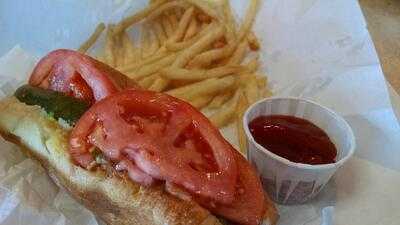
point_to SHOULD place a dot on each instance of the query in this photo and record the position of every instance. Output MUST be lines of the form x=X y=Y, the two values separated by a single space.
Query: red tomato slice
x=78 y=75
x=248 y=208
x=249 y=205
x=163 y=136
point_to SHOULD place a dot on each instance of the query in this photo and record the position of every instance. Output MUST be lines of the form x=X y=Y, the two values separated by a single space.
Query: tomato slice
x=249 y=206
x=163 y=136
x=78 y=75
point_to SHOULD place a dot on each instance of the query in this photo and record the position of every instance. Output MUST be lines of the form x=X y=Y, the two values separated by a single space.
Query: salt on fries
x=193 y=50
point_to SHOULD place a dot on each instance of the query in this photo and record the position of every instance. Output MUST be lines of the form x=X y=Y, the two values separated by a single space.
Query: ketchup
x=295 y=139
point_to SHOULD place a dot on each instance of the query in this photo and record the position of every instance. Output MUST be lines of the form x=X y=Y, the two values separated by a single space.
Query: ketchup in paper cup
x=289 y=182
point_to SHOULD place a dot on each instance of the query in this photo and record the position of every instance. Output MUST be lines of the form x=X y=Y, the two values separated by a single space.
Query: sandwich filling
x=153 y=137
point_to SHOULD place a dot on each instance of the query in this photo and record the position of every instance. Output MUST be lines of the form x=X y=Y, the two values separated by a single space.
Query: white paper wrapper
x=295 y=183
x=316 y=49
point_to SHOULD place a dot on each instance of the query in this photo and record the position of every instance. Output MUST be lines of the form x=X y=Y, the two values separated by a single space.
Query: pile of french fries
x=193 y=50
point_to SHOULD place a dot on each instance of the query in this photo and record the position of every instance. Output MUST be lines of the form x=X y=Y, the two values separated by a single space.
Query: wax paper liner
x=315 y=49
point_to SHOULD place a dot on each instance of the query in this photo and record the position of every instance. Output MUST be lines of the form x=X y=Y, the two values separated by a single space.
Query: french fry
x=198 y=47
x=207 y=7
x=154 y=67
x=262 y=81
x=146 y=82
x=219 y=44
x=165 y=7
x=173 y=19
x=92 y=39
x=229 y=21
x=133 y=66
x=227 y=112
x=219 y=100
x=201 y=101
x=119 y=51
x=144 y=41
x=191 y=30
x=154 y=44
x=178 y=13
x=204 y=25
x=159 y=85
x=203 y=18
x=174 y=73
x=251 y=89
x=167 y=26
x=182 y=26
x=177 y=46
x=137 y=17
x=206 y=58
x=241 y=108
x=266 y=93
x=159 y=31
x=252 y=65
x=254 y=43
x=248 y=19
x=178 y=83
x=100 y=57
x=239 y=54
x=131 y=52
x=206 y=87
x=109 y=54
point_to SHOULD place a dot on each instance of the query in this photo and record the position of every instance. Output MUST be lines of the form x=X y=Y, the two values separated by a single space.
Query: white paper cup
x=289 y=182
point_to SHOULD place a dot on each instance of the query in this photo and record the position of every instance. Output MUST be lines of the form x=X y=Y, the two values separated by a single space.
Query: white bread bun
x=113 y=198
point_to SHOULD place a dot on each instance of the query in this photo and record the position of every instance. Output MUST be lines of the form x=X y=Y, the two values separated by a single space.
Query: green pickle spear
x=56 y=104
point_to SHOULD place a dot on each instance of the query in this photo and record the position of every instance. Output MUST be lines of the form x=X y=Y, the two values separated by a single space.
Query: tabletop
x=383 y=18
